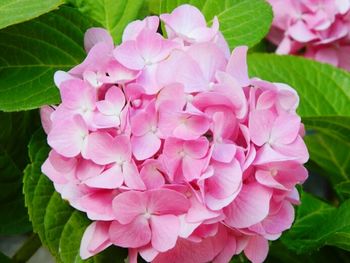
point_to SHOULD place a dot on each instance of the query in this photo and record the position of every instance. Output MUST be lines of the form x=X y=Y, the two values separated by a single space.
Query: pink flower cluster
x=171 y=149
x=319 y=29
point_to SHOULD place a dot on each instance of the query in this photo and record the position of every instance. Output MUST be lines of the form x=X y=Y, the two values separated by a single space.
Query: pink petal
x=300 y=32
x=165 y=230
x=260 y=126
x=280 y=221
x=250 y=206
x=296 y=150
x=188 y=72
x=222 y=188
x=128 y=205
x=194 y=252
x=109 y=179
x=224 y=152
x=67 y=137
x=75 y=94
x=134 y=28
x=228 y=252
x=196 y=148
x=97 y=204
x=115 y=96
x=132 y=177
x=237 y=66
x=103 y=149
x=128 y=55
x=209 y=58
x=95 y=35
x=135 y=234
x=151 y=174
x=257 y=249
x=45 y=113
x=285 y=129
x=60 y=77
x=95 y=239
x=328 y=55
x=266 y=178
x=145 y=146
x=166 y=201
x=184 y=19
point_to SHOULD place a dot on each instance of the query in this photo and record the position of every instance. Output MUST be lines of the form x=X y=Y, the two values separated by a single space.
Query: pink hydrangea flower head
x=171 y=149
x=321 y=27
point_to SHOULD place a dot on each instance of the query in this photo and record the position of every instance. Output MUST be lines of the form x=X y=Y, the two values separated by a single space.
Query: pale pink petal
x=67 y=137
x=132 y=177
x=145 y=146
x=300 y=32
x=102 y=148
x=209 y=58
x=224 y=152
x=95 y=239
x=128 y=55
x=165 y=230
x=60 y=77
x=260 y=126
x=237 y=65
x=148 y=253
x=134 y=28
x=95 y=35
x=109 y=179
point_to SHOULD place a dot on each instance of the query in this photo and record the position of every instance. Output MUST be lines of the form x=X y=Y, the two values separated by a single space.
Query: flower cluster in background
x=317 y=29
x=171 y=149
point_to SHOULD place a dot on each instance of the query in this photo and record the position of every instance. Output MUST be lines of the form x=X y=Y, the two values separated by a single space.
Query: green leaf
x=324 y=106
x=30 y=54
x=5 y=259
x=60 y=227
x=14 y=136
x=344 y=189
x=16 y=11
x=112 y=15
x=242 y=22
x=318 y=224
x=278 y=252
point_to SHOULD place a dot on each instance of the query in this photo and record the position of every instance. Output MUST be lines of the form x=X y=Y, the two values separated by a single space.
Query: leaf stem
x=28 y=249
